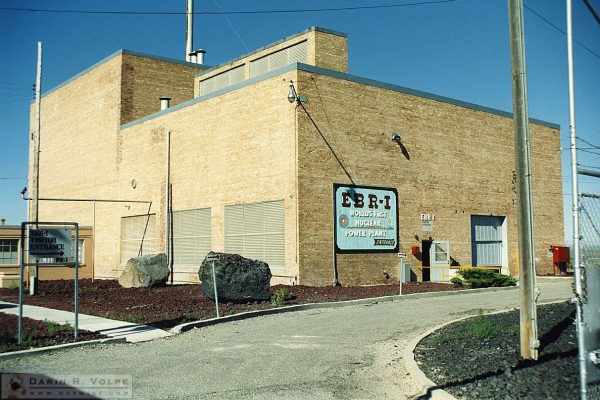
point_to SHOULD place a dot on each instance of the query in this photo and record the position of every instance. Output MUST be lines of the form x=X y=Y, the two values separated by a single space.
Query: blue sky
x=458 y=49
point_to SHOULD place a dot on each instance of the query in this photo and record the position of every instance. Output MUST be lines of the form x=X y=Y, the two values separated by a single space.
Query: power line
x=589 y=151
x=216 y=2
x=579 y=148
x=540 y=16
x=588 y=166
x=14 y=86
x=594 y=13
x=14 y=83
x=588 y=143
x=291 y=11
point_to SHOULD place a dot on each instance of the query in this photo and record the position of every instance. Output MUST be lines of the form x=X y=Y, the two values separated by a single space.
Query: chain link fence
x=589 y=225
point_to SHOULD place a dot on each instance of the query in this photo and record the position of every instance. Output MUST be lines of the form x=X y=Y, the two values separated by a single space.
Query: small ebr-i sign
x=366 y=219
x=50 y=243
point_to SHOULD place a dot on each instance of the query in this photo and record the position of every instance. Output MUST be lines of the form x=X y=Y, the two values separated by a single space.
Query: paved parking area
x=351 y=352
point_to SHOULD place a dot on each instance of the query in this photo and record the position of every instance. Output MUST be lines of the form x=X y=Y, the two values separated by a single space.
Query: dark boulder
x=238 y=279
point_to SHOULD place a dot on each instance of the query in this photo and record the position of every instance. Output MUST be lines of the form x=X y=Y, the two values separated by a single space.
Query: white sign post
x=402 y=256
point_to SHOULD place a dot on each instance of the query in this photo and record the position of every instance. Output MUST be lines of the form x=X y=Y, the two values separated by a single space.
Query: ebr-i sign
x=50 y=243
x=366 y=219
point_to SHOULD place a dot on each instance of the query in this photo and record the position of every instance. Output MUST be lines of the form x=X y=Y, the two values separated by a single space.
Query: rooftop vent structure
x=164 y=102
x=197 y=56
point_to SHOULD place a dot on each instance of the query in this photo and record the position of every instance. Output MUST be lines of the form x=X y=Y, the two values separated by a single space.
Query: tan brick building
x=252 y=173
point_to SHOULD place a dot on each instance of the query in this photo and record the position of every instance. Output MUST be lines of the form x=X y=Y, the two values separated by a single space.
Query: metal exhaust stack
x=200 y=56
x=197 y=56
x=164 y=102
x=189 y=30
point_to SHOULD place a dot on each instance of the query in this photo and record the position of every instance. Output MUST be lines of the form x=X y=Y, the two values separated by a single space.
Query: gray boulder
x=146 y=271
x=238 y=279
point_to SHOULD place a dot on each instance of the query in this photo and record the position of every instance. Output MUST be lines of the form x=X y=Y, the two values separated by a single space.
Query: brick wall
x=456 y=162
x=79 y=148
x=227 y=150
x=145 y=80
x=81 y=144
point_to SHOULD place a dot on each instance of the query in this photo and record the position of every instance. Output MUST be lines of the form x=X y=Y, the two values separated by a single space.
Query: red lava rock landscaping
x=168 y=306
x=37 y=333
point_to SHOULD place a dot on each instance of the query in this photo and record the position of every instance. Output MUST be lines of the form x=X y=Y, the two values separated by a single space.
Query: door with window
x=439 y=255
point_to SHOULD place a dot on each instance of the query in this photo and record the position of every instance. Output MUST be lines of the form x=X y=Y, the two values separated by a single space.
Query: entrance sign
x=366 y=219
x=50 y=243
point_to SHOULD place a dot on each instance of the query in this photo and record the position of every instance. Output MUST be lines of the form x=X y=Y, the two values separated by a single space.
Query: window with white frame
x=138 y=236
x=488 y=240
x=9 y=251
x=191 y=236
x=257 y=231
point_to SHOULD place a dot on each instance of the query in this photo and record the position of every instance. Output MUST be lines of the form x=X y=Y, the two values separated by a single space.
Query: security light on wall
x=293 y=96
x=292 y=93
x=396 y=137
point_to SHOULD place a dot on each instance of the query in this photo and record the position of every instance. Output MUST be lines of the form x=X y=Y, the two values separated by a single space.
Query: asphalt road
x=352 y=352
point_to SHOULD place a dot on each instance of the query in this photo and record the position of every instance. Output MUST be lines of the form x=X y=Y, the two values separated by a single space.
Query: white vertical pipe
x=189 y=29
x=164 y=102
x=200 y=56
x=93 y=240
x=167 y=196
x=575 y=196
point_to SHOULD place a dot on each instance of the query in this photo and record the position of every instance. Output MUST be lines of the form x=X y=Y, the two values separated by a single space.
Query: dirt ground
x=171 y=305
x=37 y=333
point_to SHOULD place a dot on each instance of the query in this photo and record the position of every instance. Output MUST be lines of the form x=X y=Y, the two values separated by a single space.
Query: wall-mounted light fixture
x=396 y=137
x=293 y=95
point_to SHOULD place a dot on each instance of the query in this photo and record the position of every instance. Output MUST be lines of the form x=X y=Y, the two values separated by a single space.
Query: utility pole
x=576 y=234
x=528 y=314
x=35 y=184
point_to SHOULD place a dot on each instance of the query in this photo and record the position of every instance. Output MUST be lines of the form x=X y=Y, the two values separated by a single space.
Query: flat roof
x=338 y=75
x=117 y=53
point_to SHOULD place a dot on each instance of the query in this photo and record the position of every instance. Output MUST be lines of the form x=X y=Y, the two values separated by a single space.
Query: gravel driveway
x=352 y=352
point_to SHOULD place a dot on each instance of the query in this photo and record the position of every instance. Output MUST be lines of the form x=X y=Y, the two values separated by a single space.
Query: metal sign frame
x=24 y=264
